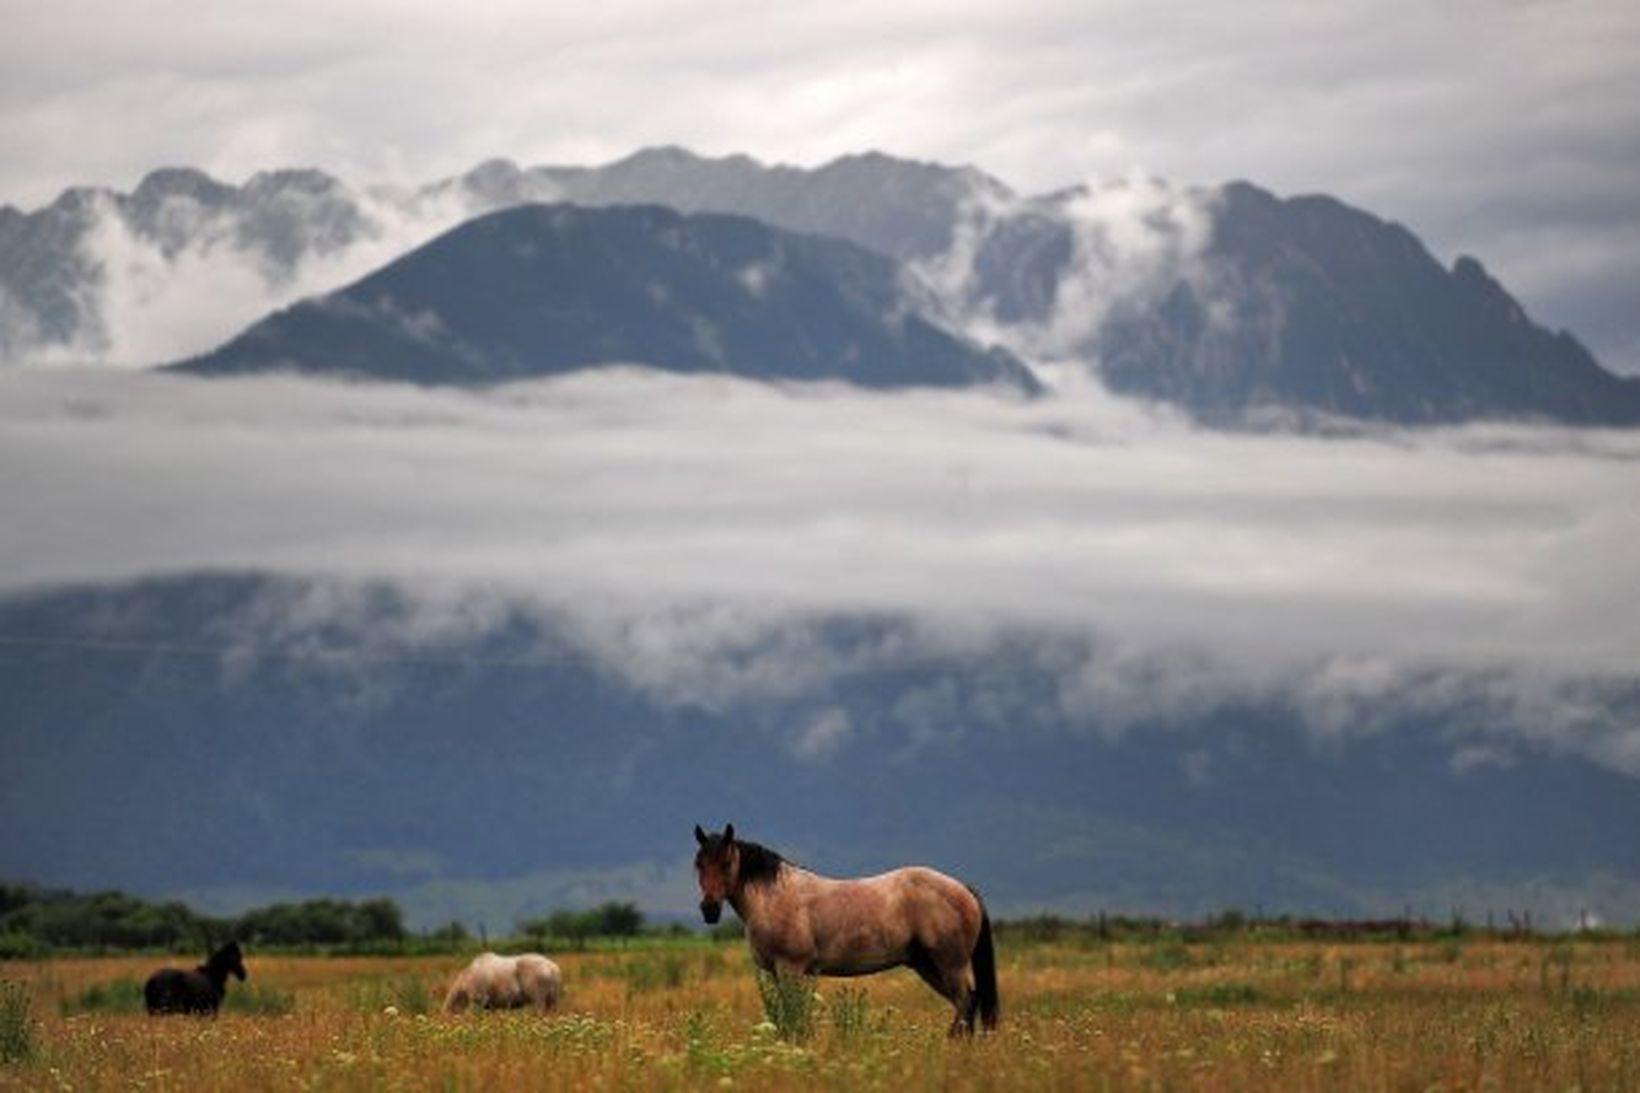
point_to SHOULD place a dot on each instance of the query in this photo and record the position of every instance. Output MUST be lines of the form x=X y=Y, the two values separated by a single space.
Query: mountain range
x=1228 y=302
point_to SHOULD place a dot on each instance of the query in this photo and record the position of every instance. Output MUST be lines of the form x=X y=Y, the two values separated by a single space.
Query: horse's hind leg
x=950 y=981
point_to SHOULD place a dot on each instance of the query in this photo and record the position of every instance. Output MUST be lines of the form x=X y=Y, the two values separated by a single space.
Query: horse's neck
x=753 y=901
x=217 y=974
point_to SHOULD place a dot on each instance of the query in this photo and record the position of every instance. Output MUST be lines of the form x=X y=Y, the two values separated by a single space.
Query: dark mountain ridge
x=539 y=290
x=1307 y=302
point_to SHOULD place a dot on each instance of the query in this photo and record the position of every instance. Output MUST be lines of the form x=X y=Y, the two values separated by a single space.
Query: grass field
x=1242 y=1014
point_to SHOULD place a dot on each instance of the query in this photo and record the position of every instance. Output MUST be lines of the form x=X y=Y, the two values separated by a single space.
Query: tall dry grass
x=1221 y=1016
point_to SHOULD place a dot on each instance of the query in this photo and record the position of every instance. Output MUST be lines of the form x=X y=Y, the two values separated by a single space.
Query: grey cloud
x=696 y=536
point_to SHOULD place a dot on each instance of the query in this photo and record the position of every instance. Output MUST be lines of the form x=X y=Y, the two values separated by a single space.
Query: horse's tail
x=985 y=972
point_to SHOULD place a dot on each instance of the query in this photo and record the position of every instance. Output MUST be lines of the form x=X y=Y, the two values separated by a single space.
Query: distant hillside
x=163 y=737
x=539 y=290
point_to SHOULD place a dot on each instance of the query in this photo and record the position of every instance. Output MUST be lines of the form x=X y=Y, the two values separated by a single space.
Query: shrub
x=19 y=946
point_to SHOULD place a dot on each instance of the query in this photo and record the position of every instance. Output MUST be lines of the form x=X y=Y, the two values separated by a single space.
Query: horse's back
x=536 y=966
x=930 y=885
x=493 y=981
x=171 y=990
x=938 y=907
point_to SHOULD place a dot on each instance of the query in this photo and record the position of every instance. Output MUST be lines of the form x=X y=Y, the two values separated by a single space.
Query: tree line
x=35 y=921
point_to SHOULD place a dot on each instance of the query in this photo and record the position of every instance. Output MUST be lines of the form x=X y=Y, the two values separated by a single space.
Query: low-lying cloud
x=696 y=536
x=205 y=275
x=1128 y=242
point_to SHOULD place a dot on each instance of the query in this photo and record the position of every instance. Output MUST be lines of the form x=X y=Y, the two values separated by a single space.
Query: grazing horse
x=506 y=982
x=800 y=923
x=172 y=990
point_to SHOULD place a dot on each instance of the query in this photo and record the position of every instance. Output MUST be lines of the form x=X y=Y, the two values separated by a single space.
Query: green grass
x=405 y=994
x=16 y=1023
x=1167 y=956
x=655 y=971
x=849 y=1009
x=1253 y=1015
x=122 y=995
x=252 y=998
x=1217 y=995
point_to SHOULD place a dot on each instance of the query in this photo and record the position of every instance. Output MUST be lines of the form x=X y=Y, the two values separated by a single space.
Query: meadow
x=1239 y=1013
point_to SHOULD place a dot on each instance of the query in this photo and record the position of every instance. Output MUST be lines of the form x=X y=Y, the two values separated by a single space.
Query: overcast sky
x=1507 y=130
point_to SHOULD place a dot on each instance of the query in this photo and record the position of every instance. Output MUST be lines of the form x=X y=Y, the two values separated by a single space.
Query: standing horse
x=506 y=982
x=801 y=923
x=172 y=990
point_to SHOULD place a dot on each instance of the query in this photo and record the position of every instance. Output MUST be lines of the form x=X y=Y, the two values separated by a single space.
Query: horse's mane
x=758 y=864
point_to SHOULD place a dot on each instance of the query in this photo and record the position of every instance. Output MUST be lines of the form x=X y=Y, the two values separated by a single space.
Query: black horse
x=172 y=990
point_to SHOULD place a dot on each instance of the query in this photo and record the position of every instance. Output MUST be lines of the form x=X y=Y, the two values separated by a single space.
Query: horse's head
x=717 y=866
x=228 y=960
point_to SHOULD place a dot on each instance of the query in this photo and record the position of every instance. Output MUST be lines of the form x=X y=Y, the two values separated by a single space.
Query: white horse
x=506 y=982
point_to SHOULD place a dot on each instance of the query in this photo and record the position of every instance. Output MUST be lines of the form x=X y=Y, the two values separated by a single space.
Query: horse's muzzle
x=711 y=910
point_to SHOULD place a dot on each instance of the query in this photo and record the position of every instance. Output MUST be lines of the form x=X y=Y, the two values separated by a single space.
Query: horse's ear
x=700 y=836
x=728 y=833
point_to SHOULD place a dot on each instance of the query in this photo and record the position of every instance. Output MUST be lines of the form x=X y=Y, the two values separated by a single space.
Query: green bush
x=577 y=927
x=15 y=945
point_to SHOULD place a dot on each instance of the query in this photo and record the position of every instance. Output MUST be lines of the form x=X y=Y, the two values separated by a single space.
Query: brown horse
x=800 y=923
